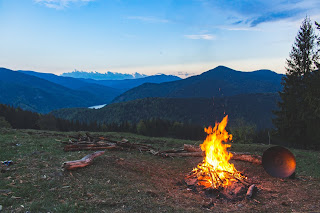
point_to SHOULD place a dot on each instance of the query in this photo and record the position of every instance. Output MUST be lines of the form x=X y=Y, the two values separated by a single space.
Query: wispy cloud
x=239 y=28
x=201 y=37
x=148 y=19
x=62 y=4
x=275 y=16
x=185 y=74
x=255 y=12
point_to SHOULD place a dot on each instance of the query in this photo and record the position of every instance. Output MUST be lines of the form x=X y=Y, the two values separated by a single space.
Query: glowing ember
x=215 y=170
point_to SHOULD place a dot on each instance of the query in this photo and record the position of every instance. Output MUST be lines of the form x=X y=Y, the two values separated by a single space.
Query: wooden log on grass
x=191 y=148
x=256 y=159
x=195 y=151
x=90 y=148
x=101 y=145
x=183 y=154
x=79 y=147
x=85 y=161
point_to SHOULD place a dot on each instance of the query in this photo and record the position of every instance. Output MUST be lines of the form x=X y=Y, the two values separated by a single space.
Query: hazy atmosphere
x=172 y=37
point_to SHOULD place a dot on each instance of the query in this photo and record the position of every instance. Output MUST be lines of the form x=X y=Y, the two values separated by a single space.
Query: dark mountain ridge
x=102 y=93
x=36 y=94
x=218 y=82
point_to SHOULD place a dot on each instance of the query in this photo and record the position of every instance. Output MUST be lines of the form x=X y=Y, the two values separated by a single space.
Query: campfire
x=215 y=171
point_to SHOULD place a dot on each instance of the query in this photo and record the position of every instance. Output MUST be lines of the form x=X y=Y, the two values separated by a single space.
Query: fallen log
x=85 y=161
x=105 y=144
x=90 y=148
x=235 y=155
x=183 y=154
x=172 y=151
x=79 y=147
x=191 y=148
x=89 y=137
x=246 y=157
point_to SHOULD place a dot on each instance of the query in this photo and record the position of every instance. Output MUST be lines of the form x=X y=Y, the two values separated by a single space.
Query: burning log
x=235 y=155
x=215 y=174
x=216 y=171
x=85 y=161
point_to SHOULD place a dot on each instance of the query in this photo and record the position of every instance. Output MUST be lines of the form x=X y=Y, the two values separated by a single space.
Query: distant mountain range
x=103 y=94
x=127 y=84
x=218 y=82
x=201 y=99
x=43 y=92
x=102 y=76
x=36 y=94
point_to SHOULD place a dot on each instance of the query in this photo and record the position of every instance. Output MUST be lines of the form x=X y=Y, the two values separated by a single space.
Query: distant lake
x=97 y=107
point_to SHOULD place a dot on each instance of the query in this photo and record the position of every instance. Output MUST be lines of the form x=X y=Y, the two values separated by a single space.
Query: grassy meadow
x=133 y=181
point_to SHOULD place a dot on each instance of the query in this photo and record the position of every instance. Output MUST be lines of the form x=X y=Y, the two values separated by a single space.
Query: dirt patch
x=274 y=194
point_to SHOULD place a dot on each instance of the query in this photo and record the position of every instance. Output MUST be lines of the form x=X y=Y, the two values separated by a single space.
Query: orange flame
x=215 y=170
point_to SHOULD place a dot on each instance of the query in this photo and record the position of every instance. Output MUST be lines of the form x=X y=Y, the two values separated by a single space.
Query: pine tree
x=295 y=117
x=318 y=43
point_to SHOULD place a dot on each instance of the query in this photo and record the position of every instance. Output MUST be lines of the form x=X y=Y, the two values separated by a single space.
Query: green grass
x=37 y=183
x=118 y=181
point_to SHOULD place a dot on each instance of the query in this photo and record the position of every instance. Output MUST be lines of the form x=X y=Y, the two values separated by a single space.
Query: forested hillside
x=39 y=95
x=102 y=92
x=252 y=108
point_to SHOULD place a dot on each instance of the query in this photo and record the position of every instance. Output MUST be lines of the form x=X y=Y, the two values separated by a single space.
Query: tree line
x=11 y=117
x=17 y=118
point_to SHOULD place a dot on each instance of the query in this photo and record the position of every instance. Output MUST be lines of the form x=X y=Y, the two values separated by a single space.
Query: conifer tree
x=296 y=117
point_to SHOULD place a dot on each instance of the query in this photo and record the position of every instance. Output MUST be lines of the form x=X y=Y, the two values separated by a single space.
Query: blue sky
x=147 y=36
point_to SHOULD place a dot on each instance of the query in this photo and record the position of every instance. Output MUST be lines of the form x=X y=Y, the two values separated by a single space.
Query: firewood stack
x=88 y=142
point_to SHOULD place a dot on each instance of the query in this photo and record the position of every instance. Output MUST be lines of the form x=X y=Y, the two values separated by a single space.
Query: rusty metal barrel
x=279 y=162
